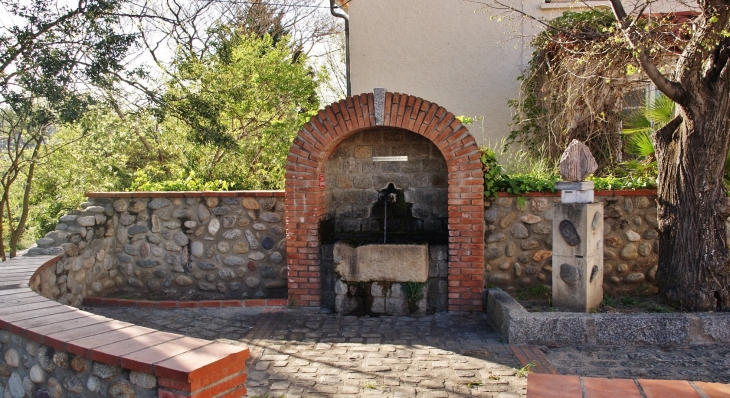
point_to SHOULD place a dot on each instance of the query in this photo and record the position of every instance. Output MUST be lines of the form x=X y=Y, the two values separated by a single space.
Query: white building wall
x=448 y=52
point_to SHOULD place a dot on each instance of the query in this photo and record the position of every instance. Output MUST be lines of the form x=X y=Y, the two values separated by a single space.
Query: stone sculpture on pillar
x=577 y=234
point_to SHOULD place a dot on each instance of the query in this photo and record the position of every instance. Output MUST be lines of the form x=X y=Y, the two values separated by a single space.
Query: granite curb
x=518 y=326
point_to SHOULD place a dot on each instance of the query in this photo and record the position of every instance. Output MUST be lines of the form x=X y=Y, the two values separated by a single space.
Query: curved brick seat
x=159 y=363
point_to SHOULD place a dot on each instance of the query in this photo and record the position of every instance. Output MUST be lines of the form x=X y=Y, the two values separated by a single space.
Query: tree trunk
x=692 y=202
x=692 y=207
x=17 y=234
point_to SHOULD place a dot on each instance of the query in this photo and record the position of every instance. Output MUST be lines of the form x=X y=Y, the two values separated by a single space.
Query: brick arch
x=305 y=198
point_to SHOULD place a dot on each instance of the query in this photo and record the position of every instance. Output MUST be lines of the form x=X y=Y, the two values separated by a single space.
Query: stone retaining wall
x=171 y=245
x=52 y=350
x=29 y=369
x=518 y=240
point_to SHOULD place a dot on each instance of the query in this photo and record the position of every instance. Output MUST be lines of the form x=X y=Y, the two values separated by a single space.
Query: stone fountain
x=578 y=242
x=378 y=278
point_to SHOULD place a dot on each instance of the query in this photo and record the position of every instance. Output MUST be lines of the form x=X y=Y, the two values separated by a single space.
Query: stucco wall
x=448 y=52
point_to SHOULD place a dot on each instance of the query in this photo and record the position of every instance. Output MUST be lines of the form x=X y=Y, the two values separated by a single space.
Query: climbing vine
x=579 y=73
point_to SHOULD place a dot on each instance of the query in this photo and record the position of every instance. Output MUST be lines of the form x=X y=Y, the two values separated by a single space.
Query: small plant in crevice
x=370 y=385
x=473 y=383
x=540 y=290
x=525 y=370
x=628 y=301
x=413 y=292
x=608 y=300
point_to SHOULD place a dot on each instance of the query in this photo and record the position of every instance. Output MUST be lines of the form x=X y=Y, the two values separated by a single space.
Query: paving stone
x=319 y=355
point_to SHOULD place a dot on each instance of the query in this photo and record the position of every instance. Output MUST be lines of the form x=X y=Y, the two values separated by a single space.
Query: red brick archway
x=305 y=196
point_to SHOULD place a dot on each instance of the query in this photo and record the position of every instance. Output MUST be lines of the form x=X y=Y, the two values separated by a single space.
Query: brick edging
x=183 y=366
x=108 y=301
x=185 y=194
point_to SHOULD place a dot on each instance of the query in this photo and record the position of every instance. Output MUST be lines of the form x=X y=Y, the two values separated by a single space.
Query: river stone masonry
x=518 y=240
x=192 y=245
x=30 y=369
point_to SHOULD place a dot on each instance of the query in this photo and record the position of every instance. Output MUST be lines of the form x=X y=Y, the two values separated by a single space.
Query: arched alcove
x=309 y=221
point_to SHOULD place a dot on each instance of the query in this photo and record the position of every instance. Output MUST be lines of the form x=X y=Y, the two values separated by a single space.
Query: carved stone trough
x=381 y=278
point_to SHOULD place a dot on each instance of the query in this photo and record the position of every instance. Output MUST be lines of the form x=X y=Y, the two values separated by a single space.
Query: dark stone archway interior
x=357 y=190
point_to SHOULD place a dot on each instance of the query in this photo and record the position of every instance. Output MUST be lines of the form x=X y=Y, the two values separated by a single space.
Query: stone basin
x=381 y=262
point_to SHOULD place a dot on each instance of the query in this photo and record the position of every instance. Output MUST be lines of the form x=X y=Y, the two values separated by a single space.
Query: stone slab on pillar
x=575 y=192
x=577 y=256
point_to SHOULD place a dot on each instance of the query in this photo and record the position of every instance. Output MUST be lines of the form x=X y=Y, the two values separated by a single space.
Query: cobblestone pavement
x=709 y=362
x=302 y=353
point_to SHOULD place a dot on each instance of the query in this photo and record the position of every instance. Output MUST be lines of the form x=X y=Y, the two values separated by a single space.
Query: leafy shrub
x=536 y=177
x=183 y=182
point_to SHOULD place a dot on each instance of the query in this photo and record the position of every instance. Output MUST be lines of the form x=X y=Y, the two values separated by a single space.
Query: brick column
x=305 y=199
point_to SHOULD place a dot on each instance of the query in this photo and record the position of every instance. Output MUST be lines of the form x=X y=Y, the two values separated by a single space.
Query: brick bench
x=182 y=366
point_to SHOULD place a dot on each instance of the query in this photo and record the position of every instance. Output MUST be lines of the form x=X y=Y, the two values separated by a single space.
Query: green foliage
x=53 y=57
x=183 y=182
x=625 y=182
x=493 y=174
x=524 y=183
x=538 y=178
x=240 y=107
x=639 y=144
x=538 y=291
x=628 y=301
x=651 y=116
x=495 y=180
x=608 y=300
x=413 y=291
x=550 y=110
x=525 y=370
x=581 y=68
x=585 y=24
x=465 y=119
x=97 y=153
x=642 y=123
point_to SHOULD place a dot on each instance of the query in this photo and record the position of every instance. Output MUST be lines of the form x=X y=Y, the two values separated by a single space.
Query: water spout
x=392 y=198
x=385 y=222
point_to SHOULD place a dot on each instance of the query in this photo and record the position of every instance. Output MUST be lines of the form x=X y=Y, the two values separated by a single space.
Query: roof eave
x=343 y=4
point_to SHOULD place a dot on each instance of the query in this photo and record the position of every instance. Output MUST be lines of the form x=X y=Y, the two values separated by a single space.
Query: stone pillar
x=577 y=250
x=577 y=235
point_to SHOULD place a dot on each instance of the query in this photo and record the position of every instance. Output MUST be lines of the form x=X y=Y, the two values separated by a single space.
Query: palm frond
x=650 y=117
x=660 y=111
x=639 y=144
x=636 y=122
